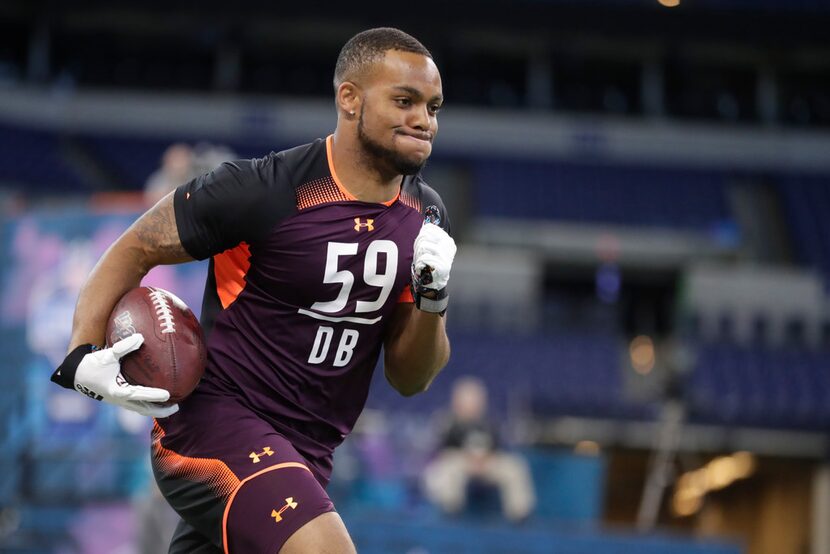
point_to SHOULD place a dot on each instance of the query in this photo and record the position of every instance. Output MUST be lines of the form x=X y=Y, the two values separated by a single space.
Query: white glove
x=432 y=259
x=97 y=374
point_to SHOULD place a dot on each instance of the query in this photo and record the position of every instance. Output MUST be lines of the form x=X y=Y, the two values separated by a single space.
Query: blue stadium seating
x=806 y=201
x=558 y=374
x=132 y=159
x=32 y=158
x=129 y=159
x=35 y=159
x=782 y=388
x=596 y=193
x=581 y=374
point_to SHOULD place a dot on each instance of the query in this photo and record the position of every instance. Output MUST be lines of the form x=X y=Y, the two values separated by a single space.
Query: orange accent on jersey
x=230 y=268
x=210 y=471
x=343 y=190
x=390 y=202
x=319 y=191
x=410 y=201
x=406 y=296
x=233 y=495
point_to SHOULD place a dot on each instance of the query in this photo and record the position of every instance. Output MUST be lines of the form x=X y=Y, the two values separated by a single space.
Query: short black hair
x=369 y=47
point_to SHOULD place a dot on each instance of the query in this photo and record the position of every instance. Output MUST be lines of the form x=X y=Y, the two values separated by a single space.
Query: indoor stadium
x=639 y=309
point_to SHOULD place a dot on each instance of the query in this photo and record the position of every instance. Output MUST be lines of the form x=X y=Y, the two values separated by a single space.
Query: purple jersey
x=302 y=284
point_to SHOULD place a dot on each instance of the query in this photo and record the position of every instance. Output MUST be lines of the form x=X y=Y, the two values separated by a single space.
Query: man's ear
x=349 y=98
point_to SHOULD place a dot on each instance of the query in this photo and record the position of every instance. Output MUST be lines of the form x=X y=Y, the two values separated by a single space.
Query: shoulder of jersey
x=303 y=159
x=422 y=190
x=416 y=191
x=286 y=166
x=426 y=200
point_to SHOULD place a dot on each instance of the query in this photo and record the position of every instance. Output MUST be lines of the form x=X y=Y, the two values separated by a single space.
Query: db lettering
x=323 y=341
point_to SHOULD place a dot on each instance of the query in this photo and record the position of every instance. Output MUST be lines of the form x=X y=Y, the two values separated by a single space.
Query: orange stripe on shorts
x=210 y=471
x=233 y=495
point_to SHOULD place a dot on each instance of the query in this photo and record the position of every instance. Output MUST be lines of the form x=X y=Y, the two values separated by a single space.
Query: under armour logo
x=265 y=452
x=289 y=503
x=359 y=225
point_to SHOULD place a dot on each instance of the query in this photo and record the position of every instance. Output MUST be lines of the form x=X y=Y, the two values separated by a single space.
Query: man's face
x=399 y=114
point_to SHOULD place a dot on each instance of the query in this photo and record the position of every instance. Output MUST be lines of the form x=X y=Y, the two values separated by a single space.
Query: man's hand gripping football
x=97 y=374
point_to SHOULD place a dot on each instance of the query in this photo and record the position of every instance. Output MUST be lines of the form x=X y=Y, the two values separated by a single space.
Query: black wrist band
x=431 y=300
x=65 y=374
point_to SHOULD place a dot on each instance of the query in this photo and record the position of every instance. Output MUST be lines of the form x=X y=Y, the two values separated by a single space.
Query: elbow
x=406 y=387
x=410 y=391
x=409 y=376
x=137 y=251
x=410 y=383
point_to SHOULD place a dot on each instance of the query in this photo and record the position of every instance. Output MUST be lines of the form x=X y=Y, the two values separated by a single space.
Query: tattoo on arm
x=157 y=230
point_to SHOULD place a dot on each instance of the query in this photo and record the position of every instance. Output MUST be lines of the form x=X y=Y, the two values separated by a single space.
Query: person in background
x=176 y=168
x=206 y=156
x=181 y=163
x=470 y=451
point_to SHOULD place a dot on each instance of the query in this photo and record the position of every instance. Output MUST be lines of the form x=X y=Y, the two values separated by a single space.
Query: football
x=173 y=354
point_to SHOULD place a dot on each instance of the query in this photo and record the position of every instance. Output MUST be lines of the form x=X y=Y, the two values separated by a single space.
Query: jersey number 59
x=385 y=281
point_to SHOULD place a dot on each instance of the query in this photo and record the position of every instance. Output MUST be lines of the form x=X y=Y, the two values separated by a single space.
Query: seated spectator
x=181 y=163
x=176 y=169
x=470 y=452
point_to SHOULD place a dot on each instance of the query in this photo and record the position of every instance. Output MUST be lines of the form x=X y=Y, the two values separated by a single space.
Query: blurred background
x=641 y=193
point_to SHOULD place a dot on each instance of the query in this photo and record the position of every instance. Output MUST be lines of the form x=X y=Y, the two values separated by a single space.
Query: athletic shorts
x=232 y=478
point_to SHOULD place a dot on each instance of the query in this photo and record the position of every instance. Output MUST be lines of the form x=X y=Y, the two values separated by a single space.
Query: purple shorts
x=233 y=478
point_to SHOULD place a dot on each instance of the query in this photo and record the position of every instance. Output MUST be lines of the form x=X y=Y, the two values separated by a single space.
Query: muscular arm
x=152 y=240
x=416 y=349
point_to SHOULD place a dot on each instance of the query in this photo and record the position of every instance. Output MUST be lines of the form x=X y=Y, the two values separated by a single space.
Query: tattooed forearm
x=157 y=231
x=152 y=240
